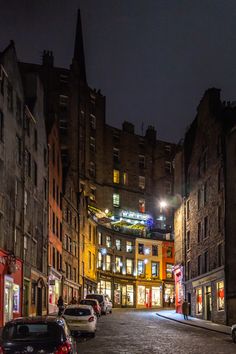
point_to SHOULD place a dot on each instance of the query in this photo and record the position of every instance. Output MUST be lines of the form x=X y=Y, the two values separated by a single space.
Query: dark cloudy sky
x=153 y=59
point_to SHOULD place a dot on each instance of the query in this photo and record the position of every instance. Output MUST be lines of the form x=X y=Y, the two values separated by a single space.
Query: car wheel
x=234 y=336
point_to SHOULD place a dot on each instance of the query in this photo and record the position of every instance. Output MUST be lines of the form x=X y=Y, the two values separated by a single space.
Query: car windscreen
x=77 y=312
x=95 y=296
x=33 y=332
x=88 y=302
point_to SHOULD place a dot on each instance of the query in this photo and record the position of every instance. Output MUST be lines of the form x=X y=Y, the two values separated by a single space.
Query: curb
x=192 y=324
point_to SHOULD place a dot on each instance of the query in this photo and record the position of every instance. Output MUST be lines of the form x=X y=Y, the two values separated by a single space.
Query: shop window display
x=199 y=301
x=220 y=296
x=169 y=272
x=117 y=294
x=16 y=298
x=130 y=295
x=156 y=296
x=141 y=295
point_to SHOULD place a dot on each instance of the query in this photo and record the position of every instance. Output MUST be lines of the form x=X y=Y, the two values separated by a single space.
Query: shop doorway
x=148 y=297
x=8 y=300
x=123 y=303
x=26 y=298
x=189 y=301
x=208 y=298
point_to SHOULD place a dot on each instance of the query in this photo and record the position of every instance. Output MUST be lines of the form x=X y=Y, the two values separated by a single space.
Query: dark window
x=28 y=163
x=27 y=125
x=188 y=209
x=206 y=262
x=141 y=248
x=154 y=250
x=199 y=263
x=116 y=155
x=220 y=255
x=188 y=270
x=205 y=193
x=141 y=161
x=199 y=229
x=18 y=110
x=77 y=312
x=205 y=226
x=53 y=257
x=219 y=218
x=34 y=331
x=199 y=199
x=1 y=126
x=45 y=189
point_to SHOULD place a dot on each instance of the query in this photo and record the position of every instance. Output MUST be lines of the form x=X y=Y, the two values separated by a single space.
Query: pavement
x=170 y=314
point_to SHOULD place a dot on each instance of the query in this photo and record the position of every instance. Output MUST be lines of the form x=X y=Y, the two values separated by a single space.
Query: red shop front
x=11 y=286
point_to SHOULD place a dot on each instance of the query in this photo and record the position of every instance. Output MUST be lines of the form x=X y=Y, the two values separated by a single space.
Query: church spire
x=79 y=49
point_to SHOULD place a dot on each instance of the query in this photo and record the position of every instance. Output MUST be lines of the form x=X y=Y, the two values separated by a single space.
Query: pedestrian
x=73 y=301
x=185 y=309
x=169 y=301
x=60 y=305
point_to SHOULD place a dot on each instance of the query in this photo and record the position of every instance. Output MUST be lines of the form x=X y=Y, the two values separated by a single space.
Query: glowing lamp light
x=106 y=211
x=120 y=264
x=145 y=261
x=163 y=204
x=103 y=251
x=147 y=251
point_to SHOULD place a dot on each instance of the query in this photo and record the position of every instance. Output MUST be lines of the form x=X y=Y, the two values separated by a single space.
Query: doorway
x=26 y=298
x=8 y=300
x=208 y=298
x=189 y=301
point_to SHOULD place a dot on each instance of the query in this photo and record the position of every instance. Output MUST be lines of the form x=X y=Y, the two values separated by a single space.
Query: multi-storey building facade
x=24 y=198
x=203 y=224
x=54 y=217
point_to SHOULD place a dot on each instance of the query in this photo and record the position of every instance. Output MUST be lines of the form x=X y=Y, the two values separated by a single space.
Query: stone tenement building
x=24 y=202
x=204 y=222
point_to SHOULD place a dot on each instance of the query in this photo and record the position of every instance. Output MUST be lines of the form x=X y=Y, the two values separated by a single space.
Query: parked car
x=81 y=319
x=103 y=302
x=233 y=333
x=95 y=305
x=45 y=334
x=109 y=304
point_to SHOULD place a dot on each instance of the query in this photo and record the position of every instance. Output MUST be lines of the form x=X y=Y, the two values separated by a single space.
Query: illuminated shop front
x=169 y=294
x=104 y=287
x=179 y=287
x=70 y=290
x=149 y=295
x=54 y=291
x=10 y=287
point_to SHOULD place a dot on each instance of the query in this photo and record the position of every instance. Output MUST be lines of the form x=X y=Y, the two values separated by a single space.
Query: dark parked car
x=37 y=335
x=95 y=305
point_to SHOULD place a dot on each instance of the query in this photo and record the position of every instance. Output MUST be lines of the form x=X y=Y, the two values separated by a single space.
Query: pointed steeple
x=79 y=49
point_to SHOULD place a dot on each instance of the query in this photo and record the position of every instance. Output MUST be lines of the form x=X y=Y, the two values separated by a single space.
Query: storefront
x=11 y=286
x=124 y=294
x=38 y=294
x=179 y=287
x=89 y=286
x=54 y=290
x=169 y=294
x=70 y=290
x=149 y=295
x=208 y=297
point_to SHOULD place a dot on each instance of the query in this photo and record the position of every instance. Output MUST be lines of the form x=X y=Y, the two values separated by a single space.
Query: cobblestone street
x=143 y=332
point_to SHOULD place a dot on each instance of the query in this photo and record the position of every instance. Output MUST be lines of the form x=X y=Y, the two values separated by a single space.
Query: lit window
x=108 y=262
x=220 y=296
x=199 y=301
x=99 y=265
x=169 y=273
x=108 y=241
x=116 y=176
x=118 y=245
x=92 y=121
x=129 y=266
x=129 y=247
x=125 y=178
x=155 y=269
x=140 y=267
x=141 y=206
x=118 y=264
x=99 y=238
x=141 y=182
x=116 y=200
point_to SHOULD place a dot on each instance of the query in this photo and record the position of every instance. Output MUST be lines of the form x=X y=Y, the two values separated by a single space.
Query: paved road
x=143 y=332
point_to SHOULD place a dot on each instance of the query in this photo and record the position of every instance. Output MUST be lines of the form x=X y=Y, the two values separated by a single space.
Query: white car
x=81 y=319
x=233 y=333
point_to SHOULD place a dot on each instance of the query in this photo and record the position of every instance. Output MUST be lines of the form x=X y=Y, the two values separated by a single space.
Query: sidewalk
x=195 y=322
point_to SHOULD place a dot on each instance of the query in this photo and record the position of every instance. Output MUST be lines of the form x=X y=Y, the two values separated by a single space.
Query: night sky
x=152 y=59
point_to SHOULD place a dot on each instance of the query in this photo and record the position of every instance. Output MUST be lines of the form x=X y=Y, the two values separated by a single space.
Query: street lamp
x=163 y=205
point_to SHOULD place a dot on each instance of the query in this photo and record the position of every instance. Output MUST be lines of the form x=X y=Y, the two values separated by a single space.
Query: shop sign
x=208 y=279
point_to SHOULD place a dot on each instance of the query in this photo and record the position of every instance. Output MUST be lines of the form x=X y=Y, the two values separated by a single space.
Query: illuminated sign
x=134 y=216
